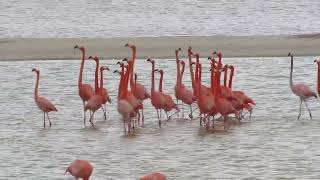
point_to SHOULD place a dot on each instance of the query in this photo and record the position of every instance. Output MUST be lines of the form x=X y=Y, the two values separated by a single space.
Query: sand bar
x=159 y=47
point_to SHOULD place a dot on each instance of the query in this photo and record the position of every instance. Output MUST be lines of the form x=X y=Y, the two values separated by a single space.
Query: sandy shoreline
x=159 y=47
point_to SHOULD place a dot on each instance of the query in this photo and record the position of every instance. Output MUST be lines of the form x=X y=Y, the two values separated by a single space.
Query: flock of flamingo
x=213 y=99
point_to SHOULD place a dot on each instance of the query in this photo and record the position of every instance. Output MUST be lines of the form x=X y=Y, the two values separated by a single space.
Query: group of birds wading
x=216 y=98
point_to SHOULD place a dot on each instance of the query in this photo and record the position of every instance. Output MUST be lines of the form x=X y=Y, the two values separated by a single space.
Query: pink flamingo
x=80 y=169
x=303 y=91
x=169 y=105
x=243 y=101
x=139 y=91
x=154 y=176
x=187 y=95
x=179 y=87
x=223 y=106
x=96 y=101
x=44 y=104
x=205 y=102
x=123 y=106
x=157 y=99
x=104 y=92
x=85 y=90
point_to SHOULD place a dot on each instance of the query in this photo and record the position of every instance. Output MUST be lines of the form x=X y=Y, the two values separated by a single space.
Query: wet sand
x=159 y=47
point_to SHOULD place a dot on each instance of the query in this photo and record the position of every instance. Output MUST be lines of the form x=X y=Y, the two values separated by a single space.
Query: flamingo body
x=86 y=91
x=80 y=169
x=45 y=105
x=154 y=176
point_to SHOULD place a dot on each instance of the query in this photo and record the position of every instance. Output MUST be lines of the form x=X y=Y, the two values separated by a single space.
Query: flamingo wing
x=45 y=105
x=86 y=92
x=303 y=91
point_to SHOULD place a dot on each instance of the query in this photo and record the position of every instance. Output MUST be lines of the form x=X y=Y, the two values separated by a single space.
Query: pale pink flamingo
x=157 y=99
x=153 y=176
x=318 y=83
x=140 y=92
x=95 y=102
x=80 y=169
x=169 y=105
x=103 y=91
x=303 y=91
x=123 y=106
x=85 y=90
x=44 y=104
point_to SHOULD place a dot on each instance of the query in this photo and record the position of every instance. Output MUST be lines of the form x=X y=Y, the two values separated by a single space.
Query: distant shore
x=159 y=47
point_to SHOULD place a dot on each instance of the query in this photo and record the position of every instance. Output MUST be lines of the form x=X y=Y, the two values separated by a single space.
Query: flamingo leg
x=300 y=108
x=48 y=118
x=225 y=123
x=159 y=118
x=190 y=115
x=177 y=104
x=91 y=118
x=104 y=109
x=212 y=121
x=167 y=116
x=124 y=127
x=142 y=117
x=44 y=119
x=84 y=114
x=308 y=108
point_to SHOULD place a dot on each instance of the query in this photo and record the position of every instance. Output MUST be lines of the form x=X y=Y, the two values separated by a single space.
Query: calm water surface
x=65 y=18
x=273 y=145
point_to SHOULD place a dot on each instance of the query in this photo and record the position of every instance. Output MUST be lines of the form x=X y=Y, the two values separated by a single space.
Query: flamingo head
x=125 y=60
x=150 y=60
x=317 y=61
x=182 y=62
x=196 y=55
x=190 y=50
x=177 y=50
x=79 y=47
x=290 y=54
x=193 y=63
x=231 y=67
x=102 y=68
x=95 y=58
x=133 y=47
x=159 y=70
x=120 y=63
x=135 y=76
x=35 y=70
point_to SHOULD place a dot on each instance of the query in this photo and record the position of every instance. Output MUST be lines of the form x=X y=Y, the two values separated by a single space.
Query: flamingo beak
x=157 y=70
x=115 y=71
x=76 y=47
x=124 y=60
x=107 y=69
x=126 y=45
x=148 y=59
x=90 y=57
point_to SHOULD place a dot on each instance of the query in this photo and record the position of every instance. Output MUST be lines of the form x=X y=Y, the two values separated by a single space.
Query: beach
x=159 y=47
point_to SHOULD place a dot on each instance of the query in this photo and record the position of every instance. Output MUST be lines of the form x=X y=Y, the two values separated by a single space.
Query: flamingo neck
x=160 y=82
x=152 y=78
x=318 y=78
x=199 y=74
x=178 y=69
x=81 y=68
x=132 y=68
x=96 y=78
x=101 y=81
x=126 y=81
x=231 y=78
x=291 y=72
x=181 y=73
x=120 y=86
x=212 y=75
x=36 y=86
x=217 y=80
x=191 y=72
x=225 y=76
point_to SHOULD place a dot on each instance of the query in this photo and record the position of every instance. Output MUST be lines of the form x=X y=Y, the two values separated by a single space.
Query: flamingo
x=80 y=169
x=44 y=104
x=157 y=99
x=187 y=95
x=205 y=103
x=245 y=101
x=169 y=105
x=179 y=87
x=96 y=101
x=303 y=91
x=318 y=84
x=123 y=106
x=140 y=92
x=104 y=92
x=223 y=106
x=85 y=90
x=154 y=176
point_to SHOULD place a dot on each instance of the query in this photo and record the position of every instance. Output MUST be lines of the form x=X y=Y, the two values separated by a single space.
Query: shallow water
x=64 y=18
x=273 y=145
